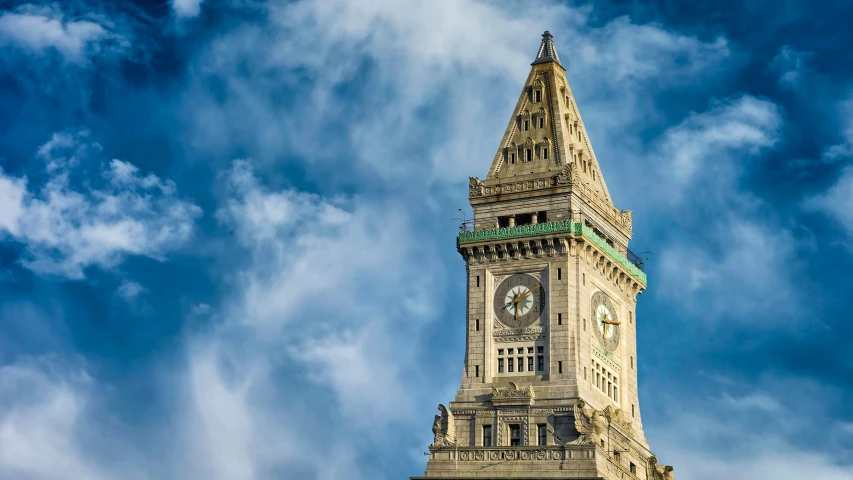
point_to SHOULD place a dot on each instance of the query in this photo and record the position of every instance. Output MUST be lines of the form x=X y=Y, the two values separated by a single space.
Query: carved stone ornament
x=444 y=429
x=658 y=472
x=512 y=391
x=475 y=187
x=567 y=174
x=616 y=418
x=589 y=422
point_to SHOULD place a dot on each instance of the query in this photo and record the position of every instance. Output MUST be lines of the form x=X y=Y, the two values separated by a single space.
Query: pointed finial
x=547 y=52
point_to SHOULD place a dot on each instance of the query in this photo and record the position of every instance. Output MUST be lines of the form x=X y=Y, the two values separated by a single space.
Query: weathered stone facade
x=549 y=384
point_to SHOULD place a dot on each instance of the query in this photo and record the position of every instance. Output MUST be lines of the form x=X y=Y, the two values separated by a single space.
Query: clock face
x=519 y=300
x=606 y=319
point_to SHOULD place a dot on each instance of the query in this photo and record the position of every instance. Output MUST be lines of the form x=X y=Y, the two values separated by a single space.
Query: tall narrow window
x=526 y=125
x=478 y=280
x=632 y=468
x=540 y=363
x=630 y=317
x=477 y=325
x=512 y=158
x=545 y=153
x=515 y=435
x=487 y=435
x=476 y=370
x=541 y=122
x=584 y=279
x=500 y=365
x=584 y=373
x=632 y=362
x=537 y=96
x=559 y=274
x=560 y=367
x=529 y=364
x=632 y=409
x=528 y=155
x=510 y=365
x=520 y=364
x=559 y=319
x=543 y=434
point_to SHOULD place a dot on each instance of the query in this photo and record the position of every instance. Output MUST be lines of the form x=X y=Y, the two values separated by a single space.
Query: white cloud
x=129 y=291
x=66 y=229
x=37 y=29
x=186 y=8
x=844 y=149
x=837 y=201
x=790 y=64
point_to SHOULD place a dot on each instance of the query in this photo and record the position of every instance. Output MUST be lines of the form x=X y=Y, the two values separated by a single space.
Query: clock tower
x=549 y=382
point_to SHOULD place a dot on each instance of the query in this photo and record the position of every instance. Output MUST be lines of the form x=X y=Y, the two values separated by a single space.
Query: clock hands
x=518 y=298
x=608 y=321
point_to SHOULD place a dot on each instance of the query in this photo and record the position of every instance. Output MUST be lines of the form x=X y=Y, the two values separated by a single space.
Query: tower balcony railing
x=627 y=259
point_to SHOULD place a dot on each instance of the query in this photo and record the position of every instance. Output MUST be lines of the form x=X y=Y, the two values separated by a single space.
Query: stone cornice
x=562 y=226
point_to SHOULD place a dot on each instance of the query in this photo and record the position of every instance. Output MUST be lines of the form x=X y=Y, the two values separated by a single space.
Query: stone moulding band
x=562 y=226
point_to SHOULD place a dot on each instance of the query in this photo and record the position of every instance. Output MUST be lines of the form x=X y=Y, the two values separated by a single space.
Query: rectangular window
x=509 y=351
x=560 y=367
x=540 y=363
x=615 y=393
x=584 y=279
x=528 y=155
x=537 y=96
x=632 y=468
x=487 y=435
x=632 y=362
x=478 y=280
x=510 y=365
x=540 y=349
x=500 y=365
x=512 y=158
x=584 y=373
x=632 y=409
x=520 y=364
x=545 y=153
x=476 y=370
x=529 y=349
x=559 y=274
x=526 y=125
x=514 y=435
x=500 y=351
x=541 y=122
x=529 y=364
x=559 y=319
x=630 y=317
x=543 y=434
x=477 y=325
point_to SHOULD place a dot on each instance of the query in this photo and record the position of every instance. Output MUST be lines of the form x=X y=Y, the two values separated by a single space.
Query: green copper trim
x=562 y=226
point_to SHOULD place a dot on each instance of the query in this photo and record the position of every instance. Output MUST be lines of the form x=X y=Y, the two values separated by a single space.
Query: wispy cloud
x=65 y=227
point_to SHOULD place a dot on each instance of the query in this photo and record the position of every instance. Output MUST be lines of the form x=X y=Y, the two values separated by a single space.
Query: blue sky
x=227 y=248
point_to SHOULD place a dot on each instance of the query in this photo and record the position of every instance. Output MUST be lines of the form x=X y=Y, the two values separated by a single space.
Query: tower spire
x=547 y=52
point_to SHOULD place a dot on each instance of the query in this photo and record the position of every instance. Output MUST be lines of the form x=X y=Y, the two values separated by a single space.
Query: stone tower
x=549 y=384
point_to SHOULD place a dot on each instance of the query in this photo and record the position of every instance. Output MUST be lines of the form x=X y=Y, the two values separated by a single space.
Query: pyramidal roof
x=545 y=133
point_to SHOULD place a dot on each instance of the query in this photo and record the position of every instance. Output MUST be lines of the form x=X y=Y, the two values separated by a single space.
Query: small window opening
x=500 y=365
x=540 y=363
x=632 y=468
x=632 y=362
x=632 y=409
x=528 y=155
x=543 y=434
x=476 y=370
x=584 y=373
x=560 y=367
x=515 y=435
x=529 y=364
x=584 y=279
x=523 y=219
x=541 y=122
x=487 y=435
x=630 y=317
x=545 y=153
x=542 y=217
x=559 y=274
x=584 y=324
x=510 y=365
x=559 y=319
x=478 y=280
x=503 y=222
x=512 y=158
x=602 y=442
x=537 y=96
x=520 y=364
x=526 y=125
x=477 y=325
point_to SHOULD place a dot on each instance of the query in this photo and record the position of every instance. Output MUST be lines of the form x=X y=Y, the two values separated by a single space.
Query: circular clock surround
x=606 y=317
x=519 y=300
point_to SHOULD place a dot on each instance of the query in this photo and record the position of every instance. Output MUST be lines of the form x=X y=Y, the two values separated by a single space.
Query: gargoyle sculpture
x=658 y=472
x=444 y=428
